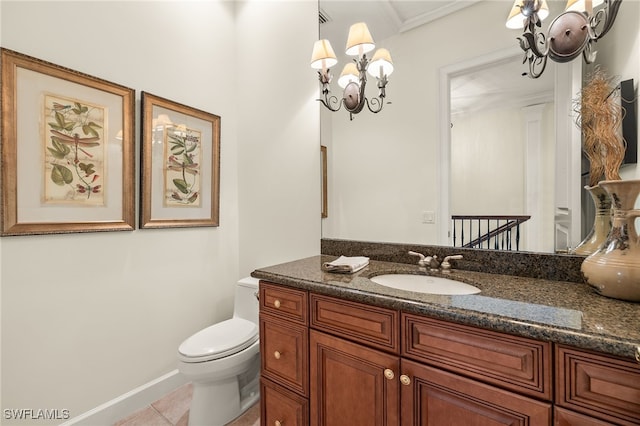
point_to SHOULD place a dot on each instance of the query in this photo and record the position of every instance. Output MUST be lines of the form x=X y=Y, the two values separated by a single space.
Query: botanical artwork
x=74 y=152
x=182 y=184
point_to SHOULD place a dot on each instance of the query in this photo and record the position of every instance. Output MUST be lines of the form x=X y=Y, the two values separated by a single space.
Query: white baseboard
x=126 y=404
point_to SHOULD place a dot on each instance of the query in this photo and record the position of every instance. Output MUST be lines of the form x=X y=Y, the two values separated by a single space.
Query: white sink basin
x=425 y=284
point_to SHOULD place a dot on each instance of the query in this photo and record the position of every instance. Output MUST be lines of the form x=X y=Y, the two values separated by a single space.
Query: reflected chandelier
x=353 y=78
x=570 y=34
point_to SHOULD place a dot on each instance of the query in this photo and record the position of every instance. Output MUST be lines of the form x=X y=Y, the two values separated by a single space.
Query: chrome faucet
x=433 y=263
x=430 y=262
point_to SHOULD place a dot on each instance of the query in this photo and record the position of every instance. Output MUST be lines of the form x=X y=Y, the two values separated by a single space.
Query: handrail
x=500 y=235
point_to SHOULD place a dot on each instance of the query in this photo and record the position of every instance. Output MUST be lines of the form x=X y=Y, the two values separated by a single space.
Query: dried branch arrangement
x=599 y=114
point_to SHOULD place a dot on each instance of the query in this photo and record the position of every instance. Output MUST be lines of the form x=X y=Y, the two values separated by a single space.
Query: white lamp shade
x=581 y=5
x=349 y=73
x=381 y=64
x=359 y=40
x=515 y=20
x=323 y=56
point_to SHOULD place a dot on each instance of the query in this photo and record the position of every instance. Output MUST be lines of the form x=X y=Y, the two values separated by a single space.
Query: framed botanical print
x=180 y=173
x=68 y=154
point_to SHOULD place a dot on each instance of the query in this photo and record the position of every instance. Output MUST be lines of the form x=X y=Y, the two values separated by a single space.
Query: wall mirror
x=397 y=176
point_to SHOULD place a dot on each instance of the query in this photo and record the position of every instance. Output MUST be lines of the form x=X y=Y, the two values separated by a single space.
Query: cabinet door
x=433 y=397
x=352 y=385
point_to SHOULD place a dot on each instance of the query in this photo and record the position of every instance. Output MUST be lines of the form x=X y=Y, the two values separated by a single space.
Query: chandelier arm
x=535 y=42
x=537 y=66
x=330 y=101
x=377 y=103
x=608 y=13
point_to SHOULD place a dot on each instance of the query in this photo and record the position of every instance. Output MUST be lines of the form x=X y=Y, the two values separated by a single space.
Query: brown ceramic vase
x=614 y=269
x=601 y=222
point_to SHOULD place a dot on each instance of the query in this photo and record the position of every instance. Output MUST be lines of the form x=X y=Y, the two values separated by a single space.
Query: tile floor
x=173 y=410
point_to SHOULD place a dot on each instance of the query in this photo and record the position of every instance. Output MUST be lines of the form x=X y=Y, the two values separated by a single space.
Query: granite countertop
x=556 y=311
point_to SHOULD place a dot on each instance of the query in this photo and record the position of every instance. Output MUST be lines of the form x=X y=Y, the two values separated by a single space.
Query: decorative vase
x=601 y=222
x=614 y=269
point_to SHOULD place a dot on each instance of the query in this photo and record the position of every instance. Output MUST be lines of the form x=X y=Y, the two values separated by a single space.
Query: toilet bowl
x=223 y=362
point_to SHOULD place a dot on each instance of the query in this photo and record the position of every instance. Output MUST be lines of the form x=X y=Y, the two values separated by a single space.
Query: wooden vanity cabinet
x=353 y=364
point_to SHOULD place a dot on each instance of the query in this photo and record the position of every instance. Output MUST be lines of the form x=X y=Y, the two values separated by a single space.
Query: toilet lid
x=219 y=340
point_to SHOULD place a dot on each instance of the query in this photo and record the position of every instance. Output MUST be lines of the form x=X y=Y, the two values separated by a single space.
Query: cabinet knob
x=405 y=380
x=277 y=355
x=388 y=373
x=276 y=303
x=277 y=423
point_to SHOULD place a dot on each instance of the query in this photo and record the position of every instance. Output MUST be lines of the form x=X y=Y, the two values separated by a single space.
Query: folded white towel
x=347 y=265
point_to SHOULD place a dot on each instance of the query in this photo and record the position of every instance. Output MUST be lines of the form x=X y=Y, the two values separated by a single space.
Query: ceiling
x=388 y=17
x=470 y=92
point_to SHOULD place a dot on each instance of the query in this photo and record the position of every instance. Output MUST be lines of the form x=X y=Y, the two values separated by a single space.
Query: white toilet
x=223 y=362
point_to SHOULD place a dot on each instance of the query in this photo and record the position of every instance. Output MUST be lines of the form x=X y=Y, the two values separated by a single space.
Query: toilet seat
x=219 y=340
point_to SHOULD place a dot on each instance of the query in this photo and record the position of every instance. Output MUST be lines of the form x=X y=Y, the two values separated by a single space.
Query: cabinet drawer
x=598 y=385
x=284 y=352
x=282 y=406
x=283 y=302
x=511 y=362
x=371 y=325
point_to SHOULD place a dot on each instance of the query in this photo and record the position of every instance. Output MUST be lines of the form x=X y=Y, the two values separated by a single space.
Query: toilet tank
x=246 y=303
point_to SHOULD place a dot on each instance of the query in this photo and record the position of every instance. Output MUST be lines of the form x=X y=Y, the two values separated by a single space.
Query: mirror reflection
x=440 y=149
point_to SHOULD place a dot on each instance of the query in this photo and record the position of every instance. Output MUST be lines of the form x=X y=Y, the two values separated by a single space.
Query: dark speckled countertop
x=557 y=311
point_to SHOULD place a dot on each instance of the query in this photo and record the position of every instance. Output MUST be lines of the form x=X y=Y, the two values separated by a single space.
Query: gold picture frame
x=180 y=171
x=323 y=164
x=68 y=150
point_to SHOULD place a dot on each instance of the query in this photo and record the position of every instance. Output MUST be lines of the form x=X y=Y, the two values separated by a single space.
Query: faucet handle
x=446 y=266
x=422 y=261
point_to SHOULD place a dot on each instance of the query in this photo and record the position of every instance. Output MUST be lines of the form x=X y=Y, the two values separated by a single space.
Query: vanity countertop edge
x=555 y=311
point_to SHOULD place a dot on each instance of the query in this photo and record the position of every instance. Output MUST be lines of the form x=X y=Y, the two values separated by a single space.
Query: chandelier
x=570 y=34
x=353 y=79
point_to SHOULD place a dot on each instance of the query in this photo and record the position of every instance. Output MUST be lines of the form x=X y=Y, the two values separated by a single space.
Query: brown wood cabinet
x=333 y=362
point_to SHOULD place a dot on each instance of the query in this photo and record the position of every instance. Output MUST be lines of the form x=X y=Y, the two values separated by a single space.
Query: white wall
x=89 y=317
x=279 y=134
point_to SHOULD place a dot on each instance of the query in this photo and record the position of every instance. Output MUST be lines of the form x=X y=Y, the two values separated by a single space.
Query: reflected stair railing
x=498 y=232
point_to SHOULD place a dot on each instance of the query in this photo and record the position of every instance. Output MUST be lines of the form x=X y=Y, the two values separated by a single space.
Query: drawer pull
x=277 y=423
x=638 y=353
x=388 y=373
x=276 y=304
x=405 y=380
x=277 y=355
